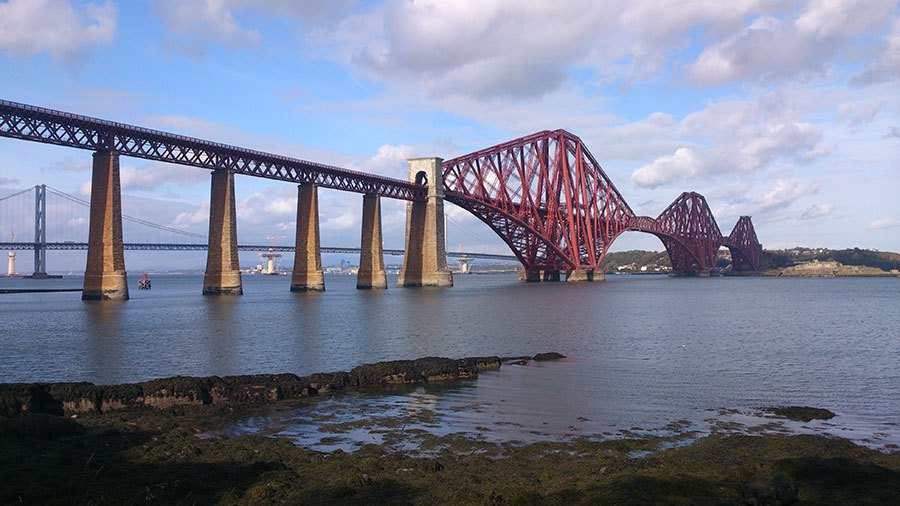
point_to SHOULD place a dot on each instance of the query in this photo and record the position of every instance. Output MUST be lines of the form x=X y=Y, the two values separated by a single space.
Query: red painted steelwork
x=545 y=195
x=744 y=246
x=50 y=126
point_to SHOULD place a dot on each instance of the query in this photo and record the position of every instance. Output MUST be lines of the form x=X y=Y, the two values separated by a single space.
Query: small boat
x=144 y=282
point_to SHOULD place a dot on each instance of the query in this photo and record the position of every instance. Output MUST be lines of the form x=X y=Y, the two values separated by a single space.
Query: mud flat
x=148 y=443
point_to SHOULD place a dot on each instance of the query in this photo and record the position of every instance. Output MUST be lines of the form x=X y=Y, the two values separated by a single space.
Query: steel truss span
x=547 y=197
x=82 y=246
x=21 y=121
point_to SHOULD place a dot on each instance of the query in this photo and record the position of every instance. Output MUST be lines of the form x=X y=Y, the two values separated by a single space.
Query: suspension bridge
x=544 y=195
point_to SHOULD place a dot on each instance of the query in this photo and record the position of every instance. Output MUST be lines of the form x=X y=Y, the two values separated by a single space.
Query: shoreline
x=76 y=398
x=153 y=446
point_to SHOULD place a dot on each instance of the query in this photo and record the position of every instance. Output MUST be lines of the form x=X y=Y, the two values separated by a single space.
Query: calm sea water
x=643 y=351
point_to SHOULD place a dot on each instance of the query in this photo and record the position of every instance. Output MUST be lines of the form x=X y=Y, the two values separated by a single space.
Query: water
x=644 y=351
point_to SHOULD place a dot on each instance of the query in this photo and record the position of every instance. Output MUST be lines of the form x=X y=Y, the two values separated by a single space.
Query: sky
x=785 y=110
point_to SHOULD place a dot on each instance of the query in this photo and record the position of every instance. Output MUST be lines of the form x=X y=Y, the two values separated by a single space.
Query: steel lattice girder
x=50 y=126
x=692 y=236
x=545 y=195
x=744 y=246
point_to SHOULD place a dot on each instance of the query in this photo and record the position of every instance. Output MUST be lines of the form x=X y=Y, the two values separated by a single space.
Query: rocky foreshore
x=150 y=443
x=248 y=390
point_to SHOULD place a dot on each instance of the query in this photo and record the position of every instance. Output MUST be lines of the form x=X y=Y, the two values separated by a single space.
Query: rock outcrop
x=74 y=398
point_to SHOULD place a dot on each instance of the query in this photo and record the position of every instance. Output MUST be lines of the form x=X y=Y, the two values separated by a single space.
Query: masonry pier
x=371 y=251
x=539 y=275
x=697 y=273
x=104 y=276
x=584 y=275
x=425 y=257
x=307 y=275
x=223 y=274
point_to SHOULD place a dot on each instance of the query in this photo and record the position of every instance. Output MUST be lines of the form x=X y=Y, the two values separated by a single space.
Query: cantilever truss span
x=547 y=197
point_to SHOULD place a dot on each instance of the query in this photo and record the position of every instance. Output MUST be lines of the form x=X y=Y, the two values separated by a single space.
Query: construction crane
x=271 y=256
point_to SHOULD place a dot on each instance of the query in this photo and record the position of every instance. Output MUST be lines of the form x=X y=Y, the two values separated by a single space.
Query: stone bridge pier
x=425 y=255
x=104 y=276
x=572 y=276
x=307 y=275
x=223 y=274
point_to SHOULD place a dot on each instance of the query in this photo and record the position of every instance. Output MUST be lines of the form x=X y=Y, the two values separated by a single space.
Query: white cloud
x=515 y=48
x=772 y=47
x=390 y=161
x=883 y=223
x=56 y=27
x=157 y=175
x=8 y=181
x=816 y=211
x=784 y=193
x=743 y=137
x=684 y=163
x=768 y=203
x=887 y=66
x=187 y=219
x=342 y=220
x=273 y=204
x=859 y=113
x=195 y=23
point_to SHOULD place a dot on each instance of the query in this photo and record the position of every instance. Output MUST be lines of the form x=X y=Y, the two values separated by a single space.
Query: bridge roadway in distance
x=81 y=246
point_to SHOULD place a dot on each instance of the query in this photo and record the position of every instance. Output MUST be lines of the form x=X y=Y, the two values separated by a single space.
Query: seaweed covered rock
x=181 y=390
x=73 y=398
x=40 y=426
x=802 y=413
x=541 y=357
x=258 y=388
x=428 y=369
x=774 y=489
x=21 y=398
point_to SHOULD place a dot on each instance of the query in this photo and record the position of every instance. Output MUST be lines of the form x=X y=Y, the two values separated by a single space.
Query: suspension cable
x=130 y=218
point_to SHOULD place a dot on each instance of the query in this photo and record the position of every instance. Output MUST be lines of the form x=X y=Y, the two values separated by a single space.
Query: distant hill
x=884 y=260
x=634 y=260
x=641 y=261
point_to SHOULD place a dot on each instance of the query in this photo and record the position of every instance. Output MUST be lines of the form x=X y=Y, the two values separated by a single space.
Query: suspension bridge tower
x=11 y=267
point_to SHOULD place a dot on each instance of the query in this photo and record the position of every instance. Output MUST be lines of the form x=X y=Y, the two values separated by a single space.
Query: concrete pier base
x=425 y=258
x=539 y=276
x=307 y=275
x=104 y=275
x=223 y=274
x=584 y=275
x=702 y=273
x=529 y=276
x=371 y=273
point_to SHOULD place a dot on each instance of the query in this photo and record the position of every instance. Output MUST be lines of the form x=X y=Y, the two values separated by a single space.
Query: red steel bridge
x=549 y=199
x=544 y=194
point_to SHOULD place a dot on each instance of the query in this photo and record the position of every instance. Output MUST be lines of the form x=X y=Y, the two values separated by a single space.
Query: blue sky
x=785 y=110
